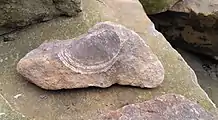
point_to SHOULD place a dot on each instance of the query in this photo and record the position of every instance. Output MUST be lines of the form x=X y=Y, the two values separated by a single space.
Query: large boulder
x=16 y=14
x=90 y=103
x=191 y=25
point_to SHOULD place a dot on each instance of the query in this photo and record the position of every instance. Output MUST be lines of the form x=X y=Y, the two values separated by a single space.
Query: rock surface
x=89 y=103
x=166 y=107
x=109 y=53
x=206 y=71
x=191 y=25
x=157 y=6
x=7 y=112
x=16 y=14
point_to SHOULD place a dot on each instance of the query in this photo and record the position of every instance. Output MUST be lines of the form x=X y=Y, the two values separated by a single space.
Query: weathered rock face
x=166 y=107
x=89 y=103
x=157 y=6
x=19 y=13
x=191 y=25
x=107 y=54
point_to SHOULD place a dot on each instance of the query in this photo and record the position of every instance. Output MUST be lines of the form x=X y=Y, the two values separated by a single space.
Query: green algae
x=157 y=6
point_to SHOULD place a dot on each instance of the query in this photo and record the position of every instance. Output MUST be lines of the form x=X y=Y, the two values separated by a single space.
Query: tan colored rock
x=109 y=53
x=166 y=107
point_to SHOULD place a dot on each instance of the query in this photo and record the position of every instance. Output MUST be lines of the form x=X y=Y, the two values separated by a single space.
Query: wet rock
x=16 y=14
x=109 y=53
x=191 y=25
x=166 y=107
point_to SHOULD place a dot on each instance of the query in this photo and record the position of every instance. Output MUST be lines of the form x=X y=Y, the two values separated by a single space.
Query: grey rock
x=109 y=53
x=166 y=107
x=93 y=53
x=16 y=14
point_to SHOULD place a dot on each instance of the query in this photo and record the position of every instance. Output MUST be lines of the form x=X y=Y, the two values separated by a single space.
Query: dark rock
x=206 y=71
x=157 y=6
x=166 y=107
x=191 y=25
x=109 y=53
x=16 y=14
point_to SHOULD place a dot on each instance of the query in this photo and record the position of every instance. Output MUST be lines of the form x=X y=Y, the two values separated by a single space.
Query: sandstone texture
x=16 y=14
x=166 y=107
x=109 y=53
x=90 y=103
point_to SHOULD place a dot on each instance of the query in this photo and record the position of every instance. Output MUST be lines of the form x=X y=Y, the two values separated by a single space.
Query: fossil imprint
x=94 y=53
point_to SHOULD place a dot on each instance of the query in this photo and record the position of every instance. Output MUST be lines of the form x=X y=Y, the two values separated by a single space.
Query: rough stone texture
x=16 y=14
x=89 y=103
x=206 y=71
x=191 y=25
x=206 y=7
x=7 y=112
x=157 y=6
x=109 y=53
x=166 y=107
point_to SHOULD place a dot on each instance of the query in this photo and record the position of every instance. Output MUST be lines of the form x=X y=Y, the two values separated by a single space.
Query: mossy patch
x=157 y=6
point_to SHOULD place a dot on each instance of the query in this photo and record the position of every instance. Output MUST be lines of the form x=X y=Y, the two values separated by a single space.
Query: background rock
x=166 y=107
x=157 y=6
x=50 y=66
x=206 y=71
x=191 y=25
x=16 y=14
x=92 y=102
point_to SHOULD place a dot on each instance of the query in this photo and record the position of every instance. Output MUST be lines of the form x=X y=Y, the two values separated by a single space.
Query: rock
x=166 y=107
x=205 y=7
x=16 y=14
x=206 y=71
x=7 y=112
x=157 y=6
x=90 y=103
x=191 y=25
x=109 y=53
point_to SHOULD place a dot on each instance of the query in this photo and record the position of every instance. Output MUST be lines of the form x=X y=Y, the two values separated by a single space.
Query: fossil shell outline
x=110 y=47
